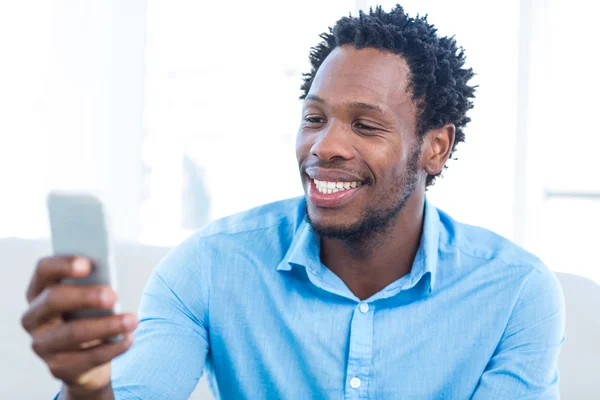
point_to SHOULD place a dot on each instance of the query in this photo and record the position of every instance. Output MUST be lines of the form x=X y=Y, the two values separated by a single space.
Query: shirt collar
x=305 y=251
x=426 y=260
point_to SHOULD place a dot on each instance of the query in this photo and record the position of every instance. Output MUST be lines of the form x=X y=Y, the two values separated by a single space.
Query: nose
x=333 y=142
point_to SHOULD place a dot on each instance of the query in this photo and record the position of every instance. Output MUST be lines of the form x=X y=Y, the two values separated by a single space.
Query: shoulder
x=512 y=282
x=477 y=243
x=256 y=230
x=253 y=237
x=497 y=260
x=265 y=217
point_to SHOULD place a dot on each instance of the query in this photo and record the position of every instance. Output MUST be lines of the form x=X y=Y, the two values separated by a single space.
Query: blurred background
x=179 y=112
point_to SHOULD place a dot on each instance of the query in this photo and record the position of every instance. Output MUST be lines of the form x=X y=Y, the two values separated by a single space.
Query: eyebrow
x=354 y=104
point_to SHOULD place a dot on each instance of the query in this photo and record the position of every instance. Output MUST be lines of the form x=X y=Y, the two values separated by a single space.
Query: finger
x=52 y=270
x=77 y=334
x=59 y=299
x=68 y=367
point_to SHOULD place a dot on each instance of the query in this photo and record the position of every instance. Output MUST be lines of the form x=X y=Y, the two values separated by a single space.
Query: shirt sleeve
x=171 y=341
x=524 y=365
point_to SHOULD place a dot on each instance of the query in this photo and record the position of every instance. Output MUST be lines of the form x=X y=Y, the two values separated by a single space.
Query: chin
x=332 y=226
x=330 y=217
x=351 y=225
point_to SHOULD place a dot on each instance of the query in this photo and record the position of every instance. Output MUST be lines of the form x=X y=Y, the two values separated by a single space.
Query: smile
x=334 y=187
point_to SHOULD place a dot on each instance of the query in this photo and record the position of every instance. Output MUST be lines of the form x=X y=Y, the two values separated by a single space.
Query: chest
x=306 y=341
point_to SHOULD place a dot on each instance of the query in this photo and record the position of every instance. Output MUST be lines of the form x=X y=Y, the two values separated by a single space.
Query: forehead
x=368 y=75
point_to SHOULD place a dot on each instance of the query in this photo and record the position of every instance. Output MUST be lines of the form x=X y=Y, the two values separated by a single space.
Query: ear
x=437 y=145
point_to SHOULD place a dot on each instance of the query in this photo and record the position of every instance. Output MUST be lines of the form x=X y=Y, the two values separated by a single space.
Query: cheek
x=302 y=146
x=385 y=162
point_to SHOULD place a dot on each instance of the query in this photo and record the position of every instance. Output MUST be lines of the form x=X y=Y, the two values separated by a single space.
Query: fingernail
x=129 y=321
x=80 y=265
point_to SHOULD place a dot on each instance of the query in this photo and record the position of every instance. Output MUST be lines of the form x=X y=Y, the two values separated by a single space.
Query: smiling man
x=361 y=289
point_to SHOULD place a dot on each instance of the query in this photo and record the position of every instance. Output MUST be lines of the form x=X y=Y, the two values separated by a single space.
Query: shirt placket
x=360 y=352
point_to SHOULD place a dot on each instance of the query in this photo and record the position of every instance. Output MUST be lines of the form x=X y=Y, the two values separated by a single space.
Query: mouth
x=327 y=187
x=330 y=194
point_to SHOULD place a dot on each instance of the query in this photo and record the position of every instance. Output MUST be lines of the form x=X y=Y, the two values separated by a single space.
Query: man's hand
x=74 y=351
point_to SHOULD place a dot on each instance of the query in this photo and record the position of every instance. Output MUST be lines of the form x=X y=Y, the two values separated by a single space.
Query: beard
x=374 y=221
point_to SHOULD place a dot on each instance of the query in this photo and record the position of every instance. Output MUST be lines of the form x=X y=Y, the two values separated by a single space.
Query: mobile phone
x=79 y=227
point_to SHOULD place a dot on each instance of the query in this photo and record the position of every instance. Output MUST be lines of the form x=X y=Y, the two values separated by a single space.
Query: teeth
x=334 y=187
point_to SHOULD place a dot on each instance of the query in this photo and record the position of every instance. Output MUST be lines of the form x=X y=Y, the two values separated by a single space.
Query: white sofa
x=23 y=376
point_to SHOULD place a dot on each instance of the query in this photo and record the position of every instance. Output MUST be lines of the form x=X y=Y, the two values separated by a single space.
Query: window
x=564 y=208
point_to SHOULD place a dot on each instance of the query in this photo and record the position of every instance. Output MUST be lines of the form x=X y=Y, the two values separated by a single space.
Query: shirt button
x=355 y=383
x=364 y=308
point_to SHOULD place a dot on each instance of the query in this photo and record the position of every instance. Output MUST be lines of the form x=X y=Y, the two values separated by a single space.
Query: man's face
x=357 y=149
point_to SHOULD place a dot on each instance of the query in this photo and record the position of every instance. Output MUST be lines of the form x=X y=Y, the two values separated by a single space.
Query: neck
x=369 y=265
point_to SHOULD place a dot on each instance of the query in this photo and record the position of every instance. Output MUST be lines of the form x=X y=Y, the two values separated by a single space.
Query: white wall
x=71 y=98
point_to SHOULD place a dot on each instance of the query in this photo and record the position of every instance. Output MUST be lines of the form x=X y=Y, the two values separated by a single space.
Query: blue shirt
x=248 y=301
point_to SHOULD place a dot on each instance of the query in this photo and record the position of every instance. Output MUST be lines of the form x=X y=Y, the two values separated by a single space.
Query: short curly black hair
x=438 y=81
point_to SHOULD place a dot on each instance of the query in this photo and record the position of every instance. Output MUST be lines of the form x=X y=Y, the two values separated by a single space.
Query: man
x=359 y=290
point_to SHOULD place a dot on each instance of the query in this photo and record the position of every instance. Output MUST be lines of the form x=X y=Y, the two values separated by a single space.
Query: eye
x=365 y=128
x=360 y=126
x=314 y=119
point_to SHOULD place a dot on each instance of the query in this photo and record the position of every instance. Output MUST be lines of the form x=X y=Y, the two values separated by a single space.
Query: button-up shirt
x=248 y=302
